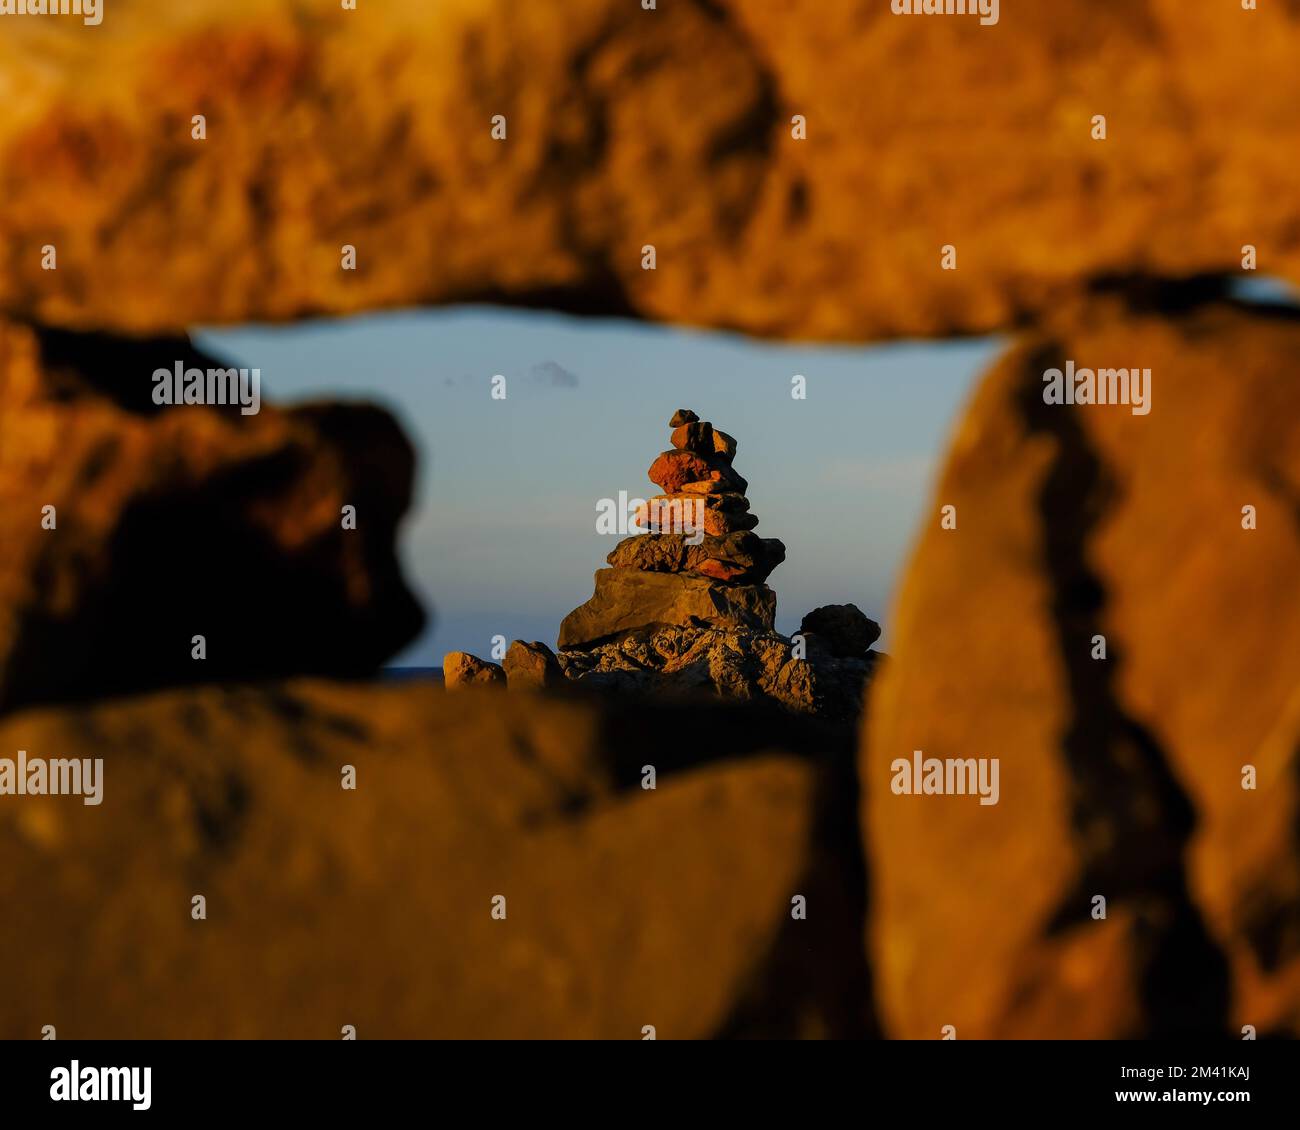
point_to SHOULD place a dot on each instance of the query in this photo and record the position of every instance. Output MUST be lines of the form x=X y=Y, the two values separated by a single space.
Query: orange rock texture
x=373 y=906
x=1121 y=776
x=626 y=129
x=1112 y=616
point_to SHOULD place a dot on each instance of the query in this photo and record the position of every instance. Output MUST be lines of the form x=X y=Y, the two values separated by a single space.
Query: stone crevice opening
x=1132 y=818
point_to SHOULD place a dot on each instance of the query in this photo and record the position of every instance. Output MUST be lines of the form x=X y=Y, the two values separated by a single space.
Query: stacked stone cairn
x=684 y=606
x=700 y=564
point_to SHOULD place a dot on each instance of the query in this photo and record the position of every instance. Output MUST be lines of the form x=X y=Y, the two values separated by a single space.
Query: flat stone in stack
x=738 y=556
x=629 y=599
x=676 y=468
x=723 y=513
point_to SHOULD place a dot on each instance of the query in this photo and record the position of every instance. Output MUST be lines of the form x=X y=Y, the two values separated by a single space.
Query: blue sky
x=503 y=538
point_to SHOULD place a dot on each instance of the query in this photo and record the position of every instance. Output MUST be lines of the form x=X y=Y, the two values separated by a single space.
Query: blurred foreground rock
x=172 y=522
x=624 y=907
x=792 y=196
x=1120 y=776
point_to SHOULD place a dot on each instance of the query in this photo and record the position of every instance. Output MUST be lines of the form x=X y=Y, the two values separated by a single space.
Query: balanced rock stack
x=684 y=608
x=701 y=565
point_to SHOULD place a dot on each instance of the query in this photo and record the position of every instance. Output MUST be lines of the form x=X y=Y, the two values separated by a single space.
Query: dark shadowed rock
x=742 y=558
x=694 y=437
x=460 y=669
x=532 y=666
x=172 y=522
x=626 y=599
x=724 y=445
x=845 y=628
x=683 y=416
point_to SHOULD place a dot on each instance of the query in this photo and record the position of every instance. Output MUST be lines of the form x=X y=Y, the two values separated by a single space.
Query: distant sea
x=407 y=674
